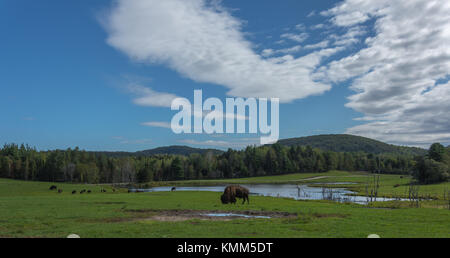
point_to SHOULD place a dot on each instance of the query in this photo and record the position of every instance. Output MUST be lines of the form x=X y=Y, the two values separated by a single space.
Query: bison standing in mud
x=235 y=191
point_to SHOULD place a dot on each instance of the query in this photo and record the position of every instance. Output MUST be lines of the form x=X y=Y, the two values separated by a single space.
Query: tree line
x=79 y=166
x=433 y=167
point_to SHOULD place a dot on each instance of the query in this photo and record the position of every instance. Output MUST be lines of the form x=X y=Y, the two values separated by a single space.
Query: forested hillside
x=74 y=165
x=350 y=143
x=175 y=150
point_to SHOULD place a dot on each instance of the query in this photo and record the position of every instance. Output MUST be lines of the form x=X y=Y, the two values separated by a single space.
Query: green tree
x=428 y=171
x=143 y=175
x=177 y=168
x=436 y=152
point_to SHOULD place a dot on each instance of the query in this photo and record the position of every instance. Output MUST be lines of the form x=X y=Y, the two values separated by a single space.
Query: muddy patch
x=329 y=215
x=105 y=220
x=103 y=203
x=184 y=215
x=110 y=203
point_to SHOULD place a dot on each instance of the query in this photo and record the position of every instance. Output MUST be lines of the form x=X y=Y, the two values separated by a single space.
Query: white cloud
x=322 y=44
x=236 y=143
x=218 y=115
x=352 y=12
x=206 y=44
x=311 y=14
x=295 y=37
x=421 y=121
x=300 y=27
x=148 y=97
x=267 y=52
x=318 y=26
x=395 y=76
x=284 y=51
x=295 y=49
x=352 y=36
x=157 y=124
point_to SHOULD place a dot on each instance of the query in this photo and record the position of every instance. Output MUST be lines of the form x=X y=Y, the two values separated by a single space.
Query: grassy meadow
x=29 y=209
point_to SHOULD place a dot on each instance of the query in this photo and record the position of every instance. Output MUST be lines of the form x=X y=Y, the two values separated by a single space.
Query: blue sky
x=68 y=68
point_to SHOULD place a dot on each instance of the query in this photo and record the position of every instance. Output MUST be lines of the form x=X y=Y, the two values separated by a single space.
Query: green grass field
x=29 y=209
x=282 y=179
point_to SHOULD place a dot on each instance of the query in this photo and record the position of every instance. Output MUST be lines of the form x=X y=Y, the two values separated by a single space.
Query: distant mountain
x=177 y=150
x=350 y=143
x=332 y=142
x=174 y=150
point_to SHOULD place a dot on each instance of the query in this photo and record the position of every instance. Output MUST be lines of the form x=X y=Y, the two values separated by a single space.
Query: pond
x=297 y=192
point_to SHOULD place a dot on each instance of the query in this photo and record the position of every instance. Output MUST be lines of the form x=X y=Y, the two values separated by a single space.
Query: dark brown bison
x=173 y=189
x=235 y=191
x=53 y=187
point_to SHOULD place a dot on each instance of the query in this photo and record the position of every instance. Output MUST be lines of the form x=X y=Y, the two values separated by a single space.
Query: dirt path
x=315 y=178
x=322 y=177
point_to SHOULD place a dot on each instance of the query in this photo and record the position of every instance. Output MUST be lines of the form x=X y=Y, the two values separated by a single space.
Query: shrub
x=429 y=171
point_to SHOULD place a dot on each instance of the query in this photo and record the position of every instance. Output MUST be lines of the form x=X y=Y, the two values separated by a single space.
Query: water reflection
x=297 y=192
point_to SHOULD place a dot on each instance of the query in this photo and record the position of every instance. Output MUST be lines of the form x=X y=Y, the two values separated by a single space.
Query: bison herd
x=235 y=191
x=54 y=187
x=229 y=195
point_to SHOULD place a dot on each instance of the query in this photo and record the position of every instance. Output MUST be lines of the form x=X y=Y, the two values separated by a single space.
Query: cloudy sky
x=101 y=74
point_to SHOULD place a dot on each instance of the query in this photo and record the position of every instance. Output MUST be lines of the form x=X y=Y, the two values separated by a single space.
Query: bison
x=235 y=191
x=74 y=191
x=60 y=190
x=173 y=189
x=53 y=187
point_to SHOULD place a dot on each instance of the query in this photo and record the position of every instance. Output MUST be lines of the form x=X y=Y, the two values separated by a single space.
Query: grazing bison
x=89 y=191
x=60 y=190
x=74 y=191
x=235 y=191
x=83 y=191
x=53 y=187
x=173 y=189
